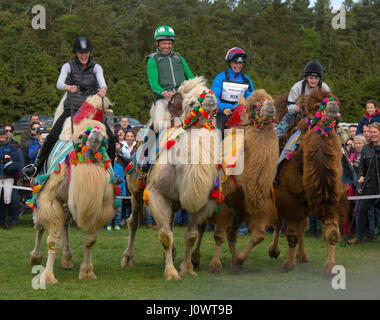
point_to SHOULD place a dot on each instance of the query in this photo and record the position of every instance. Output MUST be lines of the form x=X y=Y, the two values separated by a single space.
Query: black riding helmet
x=313 y=68
x=82 y=44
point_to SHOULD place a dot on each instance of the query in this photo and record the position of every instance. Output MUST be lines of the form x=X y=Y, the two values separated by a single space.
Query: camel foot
x=215 y=267
x=187 y=269
x=288 y=266
x=196 y=259
x=127 y=261
x=86 y=272
x=237 y=263
x=67 y=262
x=327 y=269
x=171 y=274
x=273 y=251
x=47 y=277
x=301 y=258
x=34 y=259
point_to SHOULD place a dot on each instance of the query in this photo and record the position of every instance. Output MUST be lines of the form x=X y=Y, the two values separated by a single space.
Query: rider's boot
x=32 y=170
x=7 y=216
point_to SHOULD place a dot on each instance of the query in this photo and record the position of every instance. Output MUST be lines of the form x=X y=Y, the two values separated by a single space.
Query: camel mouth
x=332 y=111
x=268 y=110
x=209 y=103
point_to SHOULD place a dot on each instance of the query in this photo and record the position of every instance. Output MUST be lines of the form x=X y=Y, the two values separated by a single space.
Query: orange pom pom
x=84 y=149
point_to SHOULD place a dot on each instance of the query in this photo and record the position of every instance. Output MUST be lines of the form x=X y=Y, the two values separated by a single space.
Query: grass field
x=260 y=278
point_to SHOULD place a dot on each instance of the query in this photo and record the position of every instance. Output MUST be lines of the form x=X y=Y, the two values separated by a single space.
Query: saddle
x=175 y=105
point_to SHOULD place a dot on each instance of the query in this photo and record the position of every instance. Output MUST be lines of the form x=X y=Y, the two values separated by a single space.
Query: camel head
x=92 y=134
x=260 y=105
x=196 y=95
x=322 y=110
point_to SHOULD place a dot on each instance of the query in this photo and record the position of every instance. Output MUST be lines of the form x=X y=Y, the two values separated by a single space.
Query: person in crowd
x=349 y=147
x=127 y=151
x=80 y=78
x=120 y=142
x=313 y=72
x=230 y=85
x=352 y=130
x=124 y=125
x=32 y=140
x=365 y=132
x=369 y=174
x=26 y=134
x=372 y=114
x=35 y=148
x=9 y=168
x=181 y=218
x=15 y=200
x=359 y=142
x=166 y=71
x=116 y=221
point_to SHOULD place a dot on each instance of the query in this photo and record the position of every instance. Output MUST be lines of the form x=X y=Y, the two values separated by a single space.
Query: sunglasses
x=8 y=130
x=34 y=129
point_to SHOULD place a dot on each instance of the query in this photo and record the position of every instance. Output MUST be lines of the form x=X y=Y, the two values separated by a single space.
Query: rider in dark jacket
x=81 y=78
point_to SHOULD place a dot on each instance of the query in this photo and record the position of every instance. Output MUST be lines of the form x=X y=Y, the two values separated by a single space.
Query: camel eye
x=192 y=103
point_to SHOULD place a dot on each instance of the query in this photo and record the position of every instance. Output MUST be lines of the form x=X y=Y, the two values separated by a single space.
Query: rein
x=199 y=111
x=321 y=116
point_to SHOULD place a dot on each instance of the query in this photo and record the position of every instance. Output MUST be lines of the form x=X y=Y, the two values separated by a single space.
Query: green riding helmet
x=164 y=33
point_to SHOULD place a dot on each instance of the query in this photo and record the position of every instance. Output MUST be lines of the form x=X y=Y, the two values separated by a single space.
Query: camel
x=248 y=195
x=311 y=181
x=172 y=185
x=82 y=185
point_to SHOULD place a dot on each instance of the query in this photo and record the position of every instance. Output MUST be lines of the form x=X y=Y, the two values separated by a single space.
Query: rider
x=166 y=71
x=81 y=78
x=230 y=85
x=312 y=79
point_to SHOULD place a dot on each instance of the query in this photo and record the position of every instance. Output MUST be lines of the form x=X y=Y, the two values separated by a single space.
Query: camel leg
x=196 y=255
x=292 y=237
x=331 y=235
x=86 y=267
x=237 y=220
x=67 y=256
x=35 y=256
x=222 y=224
x=301 y=254
x=162 y=213
x=190 y=238
x=133 y=222
x=274 y=249
x=258 y=235
x=220 y=235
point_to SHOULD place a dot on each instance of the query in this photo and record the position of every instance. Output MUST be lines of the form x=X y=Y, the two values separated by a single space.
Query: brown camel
x=171 y=185
x=248 y=195
x=311 y=181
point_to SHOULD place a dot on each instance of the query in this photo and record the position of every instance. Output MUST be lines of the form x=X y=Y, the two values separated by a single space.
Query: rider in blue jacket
x=230 y=85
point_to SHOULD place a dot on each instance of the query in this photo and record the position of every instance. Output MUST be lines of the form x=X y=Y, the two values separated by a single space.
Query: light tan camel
x=248 y=196
x=173 y=185
x=84 y=189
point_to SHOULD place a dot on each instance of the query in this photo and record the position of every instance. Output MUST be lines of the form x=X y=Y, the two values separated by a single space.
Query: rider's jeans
x=283 y=126
x=160 y=115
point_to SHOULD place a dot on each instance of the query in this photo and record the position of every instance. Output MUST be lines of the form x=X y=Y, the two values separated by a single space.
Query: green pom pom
x=42 y=177
x=84 y=138
x=105 y=142
x=117 y=203
x=78 y=146
x=81 y=159
x=89 y=128
x=102 y=150
x=196 y=108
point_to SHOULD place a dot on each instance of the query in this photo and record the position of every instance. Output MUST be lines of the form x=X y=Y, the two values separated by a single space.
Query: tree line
x=278 y=37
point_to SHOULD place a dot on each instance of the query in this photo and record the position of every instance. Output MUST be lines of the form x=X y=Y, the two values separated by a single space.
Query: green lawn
x=260 y=279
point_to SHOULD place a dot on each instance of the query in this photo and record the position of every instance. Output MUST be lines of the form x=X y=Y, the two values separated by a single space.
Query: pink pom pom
x=326 y=100
x=97 y=128
x=323 y=118
x=318 y=114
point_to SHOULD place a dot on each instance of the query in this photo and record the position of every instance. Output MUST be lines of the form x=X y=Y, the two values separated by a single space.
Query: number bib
x=233 y=91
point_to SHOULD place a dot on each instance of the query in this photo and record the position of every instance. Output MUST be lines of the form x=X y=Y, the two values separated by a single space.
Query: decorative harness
x=199 y=111
x=256 y=121
x=321 y=116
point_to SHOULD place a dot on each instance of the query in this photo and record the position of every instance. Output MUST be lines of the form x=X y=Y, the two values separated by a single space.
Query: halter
x=198 y=111
x=321 y=116
x=81 y=154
